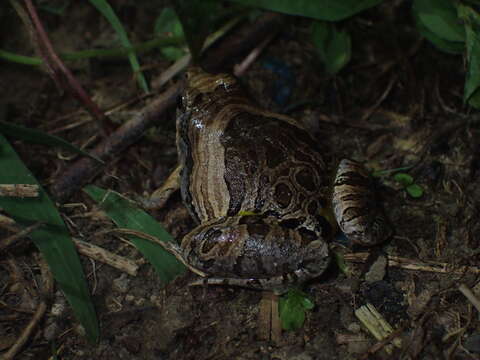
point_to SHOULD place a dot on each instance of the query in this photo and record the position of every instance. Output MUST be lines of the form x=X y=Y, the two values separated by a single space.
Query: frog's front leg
x=256 y=252
x=356 y=207
x=160 y=196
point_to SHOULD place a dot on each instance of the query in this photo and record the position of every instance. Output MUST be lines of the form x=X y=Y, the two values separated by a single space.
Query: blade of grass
x=95 y=53
x=109 y=14
x=126 y=215
x=52 y=239
x=38 y=137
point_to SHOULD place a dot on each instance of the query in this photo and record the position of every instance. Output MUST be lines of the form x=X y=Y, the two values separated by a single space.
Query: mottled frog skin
x=258 y=187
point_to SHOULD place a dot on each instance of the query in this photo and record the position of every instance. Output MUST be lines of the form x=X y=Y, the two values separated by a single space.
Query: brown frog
x=259 y=189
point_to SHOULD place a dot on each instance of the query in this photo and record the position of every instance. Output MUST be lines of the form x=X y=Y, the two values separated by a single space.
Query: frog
x=258 y=188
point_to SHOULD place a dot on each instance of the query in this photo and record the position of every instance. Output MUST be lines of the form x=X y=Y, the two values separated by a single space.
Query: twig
x=58 y=70
x=19 y=190
x=470 y=296
x=269 y=327
x=85 y=168
x=411 y=264
x=376 y=325
x=100 y=254
x=382 y=97
x=241 y=68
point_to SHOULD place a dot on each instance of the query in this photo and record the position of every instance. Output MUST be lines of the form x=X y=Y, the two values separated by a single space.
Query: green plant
x=292 y=308
x=52 y=237
x=407 y=181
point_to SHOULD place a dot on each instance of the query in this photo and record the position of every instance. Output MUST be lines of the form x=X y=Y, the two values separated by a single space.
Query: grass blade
x=52 y=239
x=126 y=215
x=39 y=137
x=107 y=11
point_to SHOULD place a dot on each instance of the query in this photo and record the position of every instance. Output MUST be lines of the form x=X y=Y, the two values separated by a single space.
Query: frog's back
x=274 y=167
x=239 y=158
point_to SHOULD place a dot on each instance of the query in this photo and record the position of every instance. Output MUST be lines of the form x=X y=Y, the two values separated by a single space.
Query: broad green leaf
x=168 y=23
x=451 y=47
x=414 y=190
x=333 y=46
x=198 y=19
x=107 y=11
x=440 y=17
x=126 y=215
x=403 y=179
x=471 y=20
x=475 y=99
x=52 y=239
x=39 y=137
x=292 y=307
x=329 y=10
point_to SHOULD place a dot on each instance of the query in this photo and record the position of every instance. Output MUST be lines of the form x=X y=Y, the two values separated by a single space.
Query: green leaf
x=440 y=17
x=414 y=190
x=451 y=47
x=471 y=20
x=292 y=307
x=333 y=46
x=98 y=53
x=403 y=179
x=107 y=11
x=172 y=53
x=52 y=239
x=198 y=19
x=38 y=137
x=168 y=23
x=329 y=10
x=475 y=99
x=126 y=215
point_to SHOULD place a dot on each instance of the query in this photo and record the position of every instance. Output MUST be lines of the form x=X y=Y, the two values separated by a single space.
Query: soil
x=397 y=104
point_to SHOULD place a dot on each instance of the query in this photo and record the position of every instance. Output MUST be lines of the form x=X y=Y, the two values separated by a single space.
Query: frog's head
x=199 y=83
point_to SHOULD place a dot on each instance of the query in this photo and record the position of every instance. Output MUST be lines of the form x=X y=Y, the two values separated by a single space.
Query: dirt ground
x=397 y=104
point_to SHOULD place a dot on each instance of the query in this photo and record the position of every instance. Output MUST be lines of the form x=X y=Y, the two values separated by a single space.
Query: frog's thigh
x=254 y=251
x=160 y=196
x=356 y=209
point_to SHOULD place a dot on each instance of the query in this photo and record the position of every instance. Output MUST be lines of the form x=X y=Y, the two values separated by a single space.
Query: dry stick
x=58 y=68
x=215 y=59
x=410 y=264
x=87 y=249
x=100 y=254
x=241 y=68
x=470 y=296
x=84 y=169
x=19 y=190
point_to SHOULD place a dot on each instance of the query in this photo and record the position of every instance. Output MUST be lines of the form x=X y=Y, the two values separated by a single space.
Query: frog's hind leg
x=254 y=251
x=357 y=210
x=159 y=197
